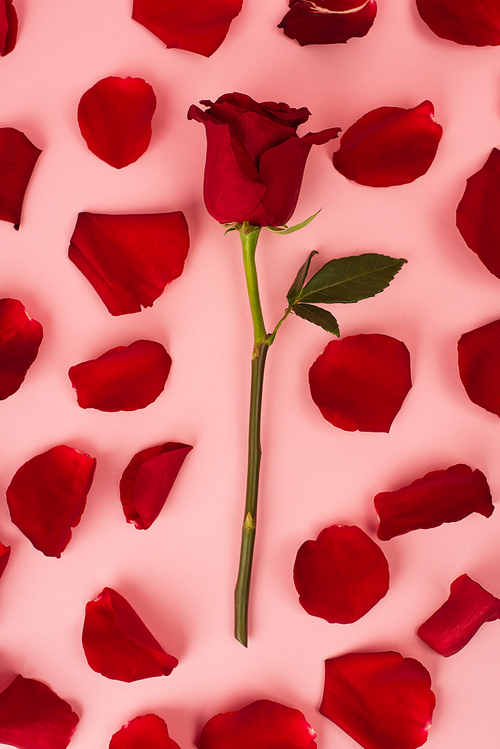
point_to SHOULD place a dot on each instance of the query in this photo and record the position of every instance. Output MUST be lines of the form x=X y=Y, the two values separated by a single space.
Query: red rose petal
x=148 y=479
x=389 y=146
x=145 y=732
x=4 y=557
x=451 y=627
x=20 y=338
x=18 y=157
x=478 y=213
x=327 y=21
x=439 y=497
x=381 y=700
x=472 y=22
x=125 y=378
x=198 y=26
x=118 y=644
x=341 y=575
x=115 y=119
x=47 y=497
x=361 y=381
x=8 y=27
x=130 y=259
x=479 y=365
x=260 y=725
x=32 y=716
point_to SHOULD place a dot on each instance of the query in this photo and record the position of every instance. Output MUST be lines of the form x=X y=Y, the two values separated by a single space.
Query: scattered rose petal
x=328 y=21
x=18 y=157
x=478 y=213
x=4 y=557
x=341 y=575
x=360 y=382
x=145 y=732
x=115 y=119
x=472 y=22
x=198 y=26
x=451 y=627
x=47 y=497
x=20 y=338
x=389 y=146
x=479 y=365
x=439 y=497
x=118 y=644
x=260 y=725
x=125 y=378
x=8 y=27
x=32 y=716
x=148 y=479
x=381 y=700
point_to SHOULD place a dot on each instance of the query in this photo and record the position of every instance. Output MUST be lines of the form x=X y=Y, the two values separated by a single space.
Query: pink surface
x=179 y=574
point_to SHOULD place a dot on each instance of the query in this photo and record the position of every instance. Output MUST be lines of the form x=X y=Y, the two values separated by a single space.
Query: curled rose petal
x=479 y=365
x=130 y=259
x=118 y=644
x=472 y=22
x=341 y=575
x=32 y=716
x=8 y=27
x=47 y=497
x=125 y=378
x=18 y=157
x=328 y=21
x=115 y=119
x=4 y=557
x=198 y=26
x=20 y=338
x=145 y=732
x=148 y=479
x=360 y=382
x=456 y=622
x=381 y=700
x=389 y=146
x=439 y=497
x=263 y=724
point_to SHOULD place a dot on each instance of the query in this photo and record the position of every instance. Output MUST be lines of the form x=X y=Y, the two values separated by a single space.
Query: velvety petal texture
x=125 y=378
x=118 y=644
x=456 y=622
x=439 y=497
x=360 y=382
x=18 y=157
x=32 y=716
x=148 y=479
x=381 y=700
x=478 y=213
x=47 y=496
x=328 y=21
x=145 y=732
x=115 y=119
x=389 y=146
x=341 y=575
x=130 y=259
x=20 y=339
x=198 y=26
x=479 y=365
x=4 y=557
x=472 y=22
x=8 y=27
x=260 y=725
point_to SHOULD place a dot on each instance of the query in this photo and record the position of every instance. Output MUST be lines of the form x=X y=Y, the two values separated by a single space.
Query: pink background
x=179 y=575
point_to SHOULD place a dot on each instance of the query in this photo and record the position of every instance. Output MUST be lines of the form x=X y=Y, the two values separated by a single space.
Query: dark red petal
x=4 y=557
x=317 y=23
x=125 y=378
x=381 y=700
x=439 y=497
x=478 y=213
x=361 y=381
x=20 y=338
x=18 y=157
x=341 y=575
x=115 y=119
x=472 y=22
x=261 y=725
x=145 y=732
x=8 y=27
x=32 y=716
x=389 y=146
x=148 y=479
x=229 y=107
x=198 y=26
x=47 y=497
x=451 y=627
x=130 y=259
x=479 y=365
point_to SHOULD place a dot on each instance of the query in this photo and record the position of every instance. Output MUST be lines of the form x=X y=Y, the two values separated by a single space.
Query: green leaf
x=349 y=279
x=318 y=316
x=296 y=287
x=290 y=229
